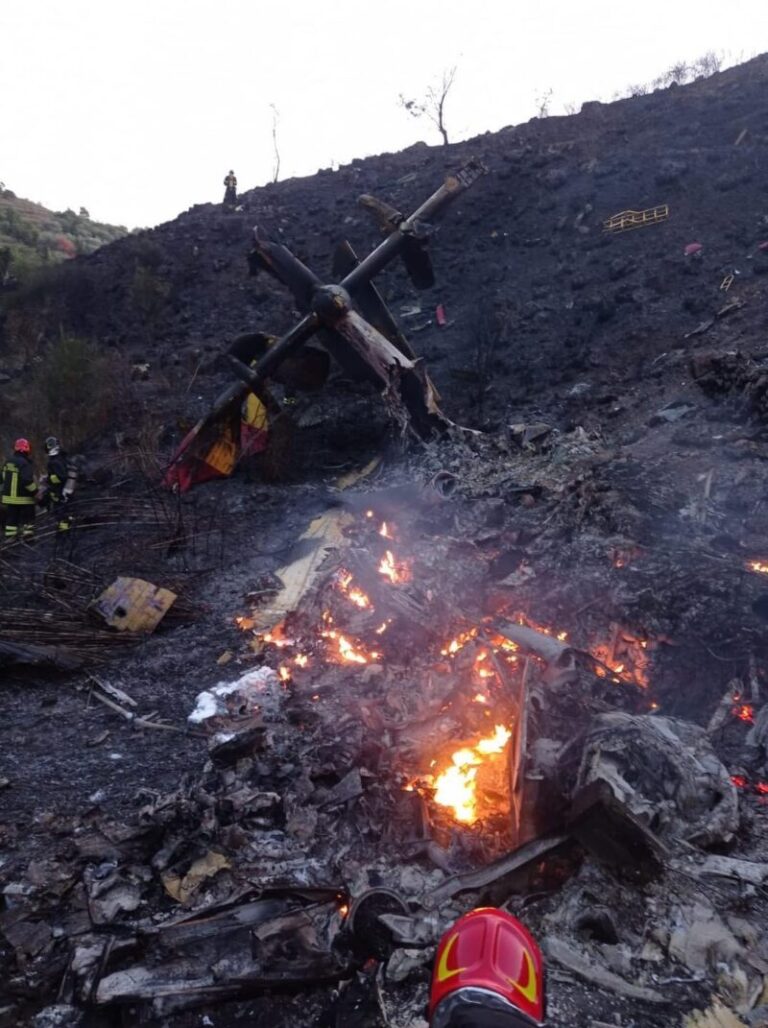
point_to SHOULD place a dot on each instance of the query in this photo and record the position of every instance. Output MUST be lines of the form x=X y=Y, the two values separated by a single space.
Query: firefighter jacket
x=230 y=182
x=58 y=471
x=19 y=485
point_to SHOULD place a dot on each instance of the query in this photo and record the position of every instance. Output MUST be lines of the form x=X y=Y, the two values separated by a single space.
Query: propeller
x=365 y=339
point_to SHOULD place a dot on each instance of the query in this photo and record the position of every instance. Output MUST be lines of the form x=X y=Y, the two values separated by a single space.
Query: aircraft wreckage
x=352 y=324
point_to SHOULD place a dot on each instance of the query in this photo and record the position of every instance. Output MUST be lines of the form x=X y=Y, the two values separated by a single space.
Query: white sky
x=137 y=110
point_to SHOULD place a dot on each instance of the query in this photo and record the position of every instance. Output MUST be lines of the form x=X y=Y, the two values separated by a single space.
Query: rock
x=555 y=178
x=620 y=267
x=671 y=413
x=670 y=172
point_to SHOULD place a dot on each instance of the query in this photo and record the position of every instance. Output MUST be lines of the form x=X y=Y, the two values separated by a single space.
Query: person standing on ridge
x=59 y=483
x=19 y=492
x=230 y=190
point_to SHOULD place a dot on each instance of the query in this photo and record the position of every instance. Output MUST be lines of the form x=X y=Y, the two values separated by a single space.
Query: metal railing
x=626 y=220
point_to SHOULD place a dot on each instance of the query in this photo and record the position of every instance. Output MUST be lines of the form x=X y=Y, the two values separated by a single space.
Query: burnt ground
x=640 y=507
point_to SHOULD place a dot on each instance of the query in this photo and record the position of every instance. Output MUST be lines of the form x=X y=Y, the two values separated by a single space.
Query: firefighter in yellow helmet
x=19 y=492
x=230 y=190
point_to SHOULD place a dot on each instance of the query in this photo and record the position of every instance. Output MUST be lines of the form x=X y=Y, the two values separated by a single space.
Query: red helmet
x=489 y=951
x=22 y=446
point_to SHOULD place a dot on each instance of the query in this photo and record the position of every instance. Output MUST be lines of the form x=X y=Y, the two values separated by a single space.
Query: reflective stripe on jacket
x=58 y=469
x=19 y=485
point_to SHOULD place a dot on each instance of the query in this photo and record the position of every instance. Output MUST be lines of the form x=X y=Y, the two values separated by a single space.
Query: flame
x=480 y=697
x=383 y=626
x=460 y=641
x=456 y=786
x=349 y=652
x=276 y=637
x=245 y=623
x=633 y=664
x=396 y=571
x=301 y=660
x=622 y=558
x=760 y=566
x=353 y=594
x=744 y=712
x=742 y=782
x=384 y=531
x=284 y=672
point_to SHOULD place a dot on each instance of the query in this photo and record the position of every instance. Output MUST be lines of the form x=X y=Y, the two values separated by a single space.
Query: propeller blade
x=417 y=262
x=413 y=248
x=279 y=262
x=369 y=300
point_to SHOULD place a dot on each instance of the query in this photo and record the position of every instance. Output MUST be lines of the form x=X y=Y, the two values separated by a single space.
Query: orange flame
x=276 y=637
x=384 y=531
x=396 y=571
x=633 y=668
x=456 y=786
x=744 y=712
x=460 y=641
x=760 y=566
x=353 y=594
x=349 y=652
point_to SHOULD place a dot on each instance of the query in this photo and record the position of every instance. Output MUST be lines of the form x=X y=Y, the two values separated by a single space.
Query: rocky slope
x=527 y=240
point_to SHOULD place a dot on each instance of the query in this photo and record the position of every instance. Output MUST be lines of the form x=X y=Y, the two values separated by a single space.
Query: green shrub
x=73 y=392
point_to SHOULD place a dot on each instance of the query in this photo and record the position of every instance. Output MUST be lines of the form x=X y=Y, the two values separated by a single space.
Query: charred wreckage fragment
x=352 y=323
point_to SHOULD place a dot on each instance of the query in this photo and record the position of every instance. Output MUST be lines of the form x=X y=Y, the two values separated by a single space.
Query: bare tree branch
x=433 y=104
x=276 y=164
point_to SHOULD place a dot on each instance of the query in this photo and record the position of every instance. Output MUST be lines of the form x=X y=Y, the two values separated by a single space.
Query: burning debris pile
x=408 y=742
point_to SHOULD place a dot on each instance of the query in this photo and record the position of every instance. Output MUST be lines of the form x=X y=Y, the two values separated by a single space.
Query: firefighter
x=230 y=190
x=19 y=492
x=59 y=483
